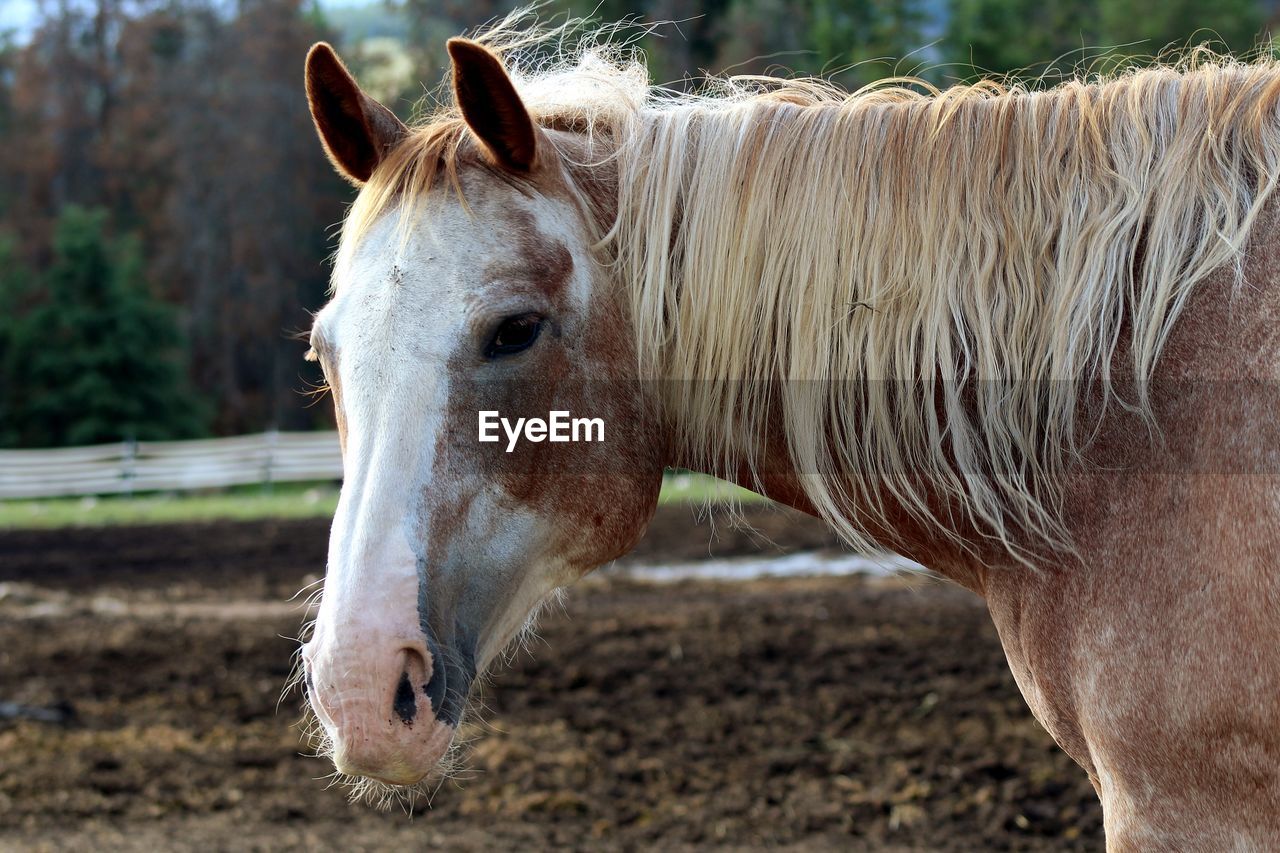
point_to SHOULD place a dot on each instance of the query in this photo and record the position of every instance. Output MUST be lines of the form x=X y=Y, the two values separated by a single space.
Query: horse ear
x=357 y=132
x=491 y=105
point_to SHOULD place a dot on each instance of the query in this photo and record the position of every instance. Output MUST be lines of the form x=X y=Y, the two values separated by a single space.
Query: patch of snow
x=803 y=564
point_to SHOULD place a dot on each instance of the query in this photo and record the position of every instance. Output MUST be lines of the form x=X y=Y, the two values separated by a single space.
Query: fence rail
x=271 y=457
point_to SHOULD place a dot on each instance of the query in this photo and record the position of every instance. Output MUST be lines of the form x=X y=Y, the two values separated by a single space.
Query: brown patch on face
x=607 y=490
x=546 y=265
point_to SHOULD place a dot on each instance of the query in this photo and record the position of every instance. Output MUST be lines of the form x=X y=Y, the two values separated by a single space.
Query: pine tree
x=15 y=291
x=97 y=359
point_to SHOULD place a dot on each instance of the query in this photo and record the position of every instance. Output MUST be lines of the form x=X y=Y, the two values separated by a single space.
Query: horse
x=1027 y=337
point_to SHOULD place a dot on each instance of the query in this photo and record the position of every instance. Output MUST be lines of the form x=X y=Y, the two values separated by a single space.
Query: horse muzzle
x=389 y=707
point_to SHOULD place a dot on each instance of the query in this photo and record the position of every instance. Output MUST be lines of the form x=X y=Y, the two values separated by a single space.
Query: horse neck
x=754 y=255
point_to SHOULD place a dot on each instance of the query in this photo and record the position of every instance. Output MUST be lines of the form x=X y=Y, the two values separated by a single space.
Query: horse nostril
x=406 y=703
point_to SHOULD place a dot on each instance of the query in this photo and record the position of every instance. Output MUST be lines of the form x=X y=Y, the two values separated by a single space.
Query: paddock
x=802 y=713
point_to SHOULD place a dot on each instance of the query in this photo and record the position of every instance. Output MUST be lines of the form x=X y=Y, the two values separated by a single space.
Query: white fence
x=272 y=457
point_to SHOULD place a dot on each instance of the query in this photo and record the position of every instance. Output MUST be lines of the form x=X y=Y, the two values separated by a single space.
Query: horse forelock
x=970 y=258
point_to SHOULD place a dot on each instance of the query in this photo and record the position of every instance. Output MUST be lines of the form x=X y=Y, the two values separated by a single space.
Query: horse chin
x=403 y=787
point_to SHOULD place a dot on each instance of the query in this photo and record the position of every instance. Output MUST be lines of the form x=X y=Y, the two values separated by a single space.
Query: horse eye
x=513 y=335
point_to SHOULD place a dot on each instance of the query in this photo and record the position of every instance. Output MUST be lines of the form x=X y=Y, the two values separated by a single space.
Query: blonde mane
x=915 y=283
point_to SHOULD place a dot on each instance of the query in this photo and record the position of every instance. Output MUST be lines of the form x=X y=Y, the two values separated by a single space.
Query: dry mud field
x=838 y=713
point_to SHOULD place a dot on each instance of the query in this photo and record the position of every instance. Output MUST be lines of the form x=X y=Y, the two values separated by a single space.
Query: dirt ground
x=845 y=713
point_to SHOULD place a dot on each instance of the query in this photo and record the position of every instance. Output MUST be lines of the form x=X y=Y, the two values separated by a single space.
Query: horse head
x=474 y=287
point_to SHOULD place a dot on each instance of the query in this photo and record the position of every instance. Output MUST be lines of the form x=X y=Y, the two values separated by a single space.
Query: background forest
x=166 y=214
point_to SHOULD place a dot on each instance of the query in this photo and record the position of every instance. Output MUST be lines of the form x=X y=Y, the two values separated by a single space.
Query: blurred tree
x=851 y=42
x=15 y=296
x=281 y=199
x=185 y=121
x=1152 y=25
x=1001 y=36
x=9 y=53
x=96 y=359
x=873 y=36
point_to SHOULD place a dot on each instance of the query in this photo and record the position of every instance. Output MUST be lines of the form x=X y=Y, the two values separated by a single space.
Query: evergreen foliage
x=1030 y=37
x=92 y=357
